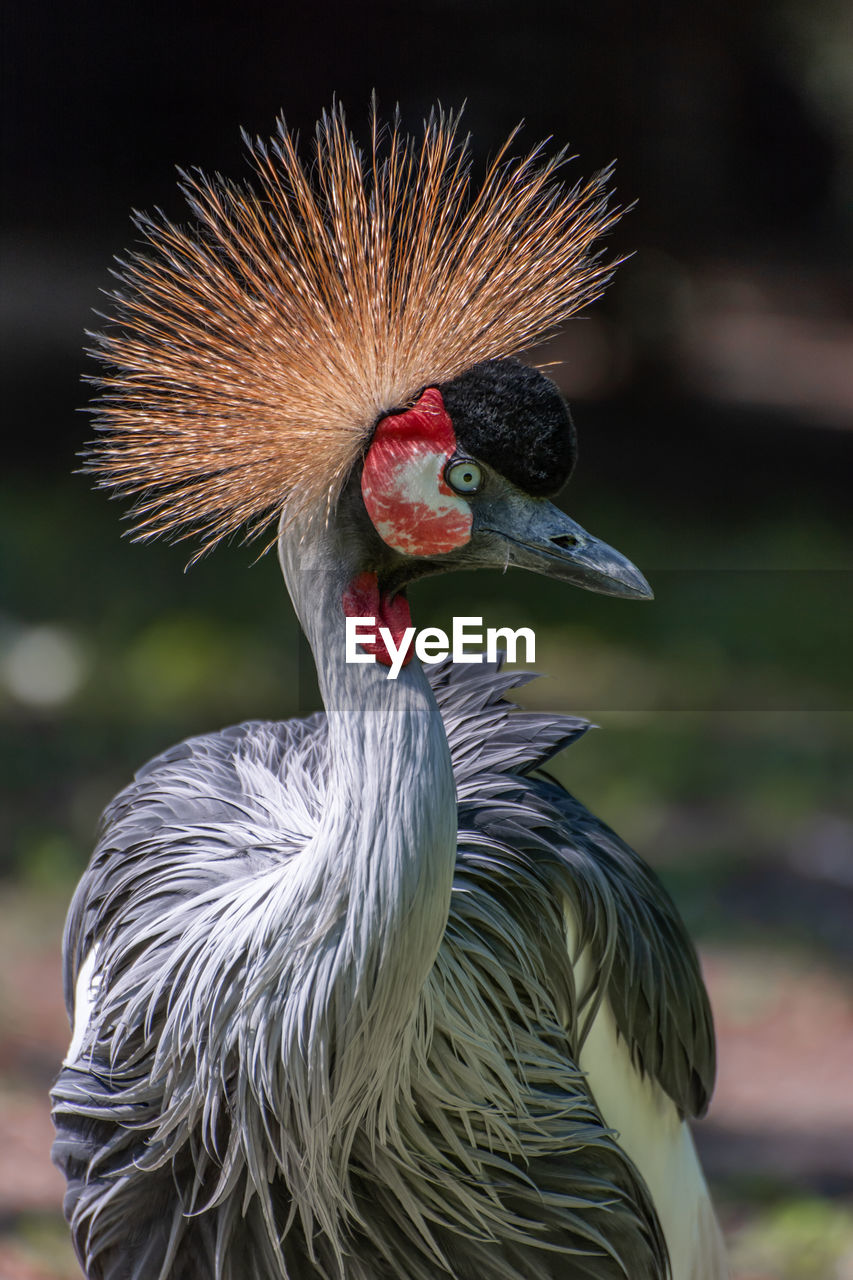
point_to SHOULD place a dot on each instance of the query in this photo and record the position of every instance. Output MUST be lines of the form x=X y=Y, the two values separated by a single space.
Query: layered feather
x=494 y=1157
x=251 y=353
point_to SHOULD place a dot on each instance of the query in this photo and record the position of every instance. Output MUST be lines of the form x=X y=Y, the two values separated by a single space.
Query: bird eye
x=464 y=476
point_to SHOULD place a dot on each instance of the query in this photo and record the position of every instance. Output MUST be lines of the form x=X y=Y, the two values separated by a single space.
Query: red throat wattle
x=411 y=505
x=363 y=599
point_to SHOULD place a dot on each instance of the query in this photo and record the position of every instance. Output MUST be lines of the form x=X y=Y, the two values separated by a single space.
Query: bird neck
x=381 y=864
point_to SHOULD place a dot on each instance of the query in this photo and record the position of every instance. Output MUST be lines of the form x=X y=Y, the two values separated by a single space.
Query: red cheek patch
x=412 y=507
x=362 y=599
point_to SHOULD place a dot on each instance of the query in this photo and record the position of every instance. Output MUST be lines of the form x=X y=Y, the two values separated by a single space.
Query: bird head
x=337 y=341
x=462 y=479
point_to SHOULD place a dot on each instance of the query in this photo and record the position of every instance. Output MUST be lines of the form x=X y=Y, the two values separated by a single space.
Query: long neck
x=380 y=868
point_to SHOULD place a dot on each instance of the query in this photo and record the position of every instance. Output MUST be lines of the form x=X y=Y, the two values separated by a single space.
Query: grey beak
x=533 y=534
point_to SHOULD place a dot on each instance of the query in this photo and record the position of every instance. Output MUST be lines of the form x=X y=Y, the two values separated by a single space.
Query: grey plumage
x=489 y=1156
x=352 y=995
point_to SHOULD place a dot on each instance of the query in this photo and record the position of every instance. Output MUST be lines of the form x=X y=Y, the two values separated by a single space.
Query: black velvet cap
x=514 y=418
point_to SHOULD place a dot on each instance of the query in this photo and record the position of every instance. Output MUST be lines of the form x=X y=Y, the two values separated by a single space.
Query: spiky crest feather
x=253 y=352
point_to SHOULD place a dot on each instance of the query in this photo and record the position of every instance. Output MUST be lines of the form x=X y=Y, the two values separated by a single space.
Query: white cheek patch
x=411 y=506
x=85 y=994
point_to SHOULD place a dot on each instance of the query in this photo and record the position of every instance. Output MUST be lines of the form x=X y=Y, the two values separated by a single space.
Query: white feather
x=657 y=1140
x=85 y=994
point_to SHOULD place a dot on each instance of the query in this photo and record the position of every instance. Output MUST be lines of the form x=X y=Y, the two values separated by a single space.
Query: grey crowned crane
x=369 y=996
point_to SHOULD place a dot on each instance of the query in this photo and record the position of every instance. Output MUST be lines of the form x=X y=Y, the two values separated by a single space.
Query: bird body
x=475 y=1083
x=369 y=995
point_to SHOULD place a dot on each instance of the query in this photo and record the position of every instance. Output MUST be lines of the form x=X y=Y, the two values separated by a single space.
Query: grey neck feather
x=380 y=867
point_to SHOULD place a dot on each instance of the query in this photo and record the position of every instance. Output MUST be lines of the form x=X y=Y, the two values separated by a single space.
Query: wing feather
x=229 y=807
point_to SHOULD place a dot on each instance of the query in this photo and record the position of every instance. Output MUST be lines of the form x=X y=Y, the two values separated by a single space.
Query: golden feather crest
x=252 y=354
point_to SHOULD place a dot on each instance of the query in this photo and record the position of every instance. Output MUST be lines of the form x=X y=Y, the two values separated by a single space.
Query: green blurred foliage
x=796 y=1239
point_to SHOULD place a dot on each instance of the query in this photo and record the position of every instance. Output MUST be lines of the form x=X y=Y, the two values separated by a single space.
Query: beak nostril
x=565 y=541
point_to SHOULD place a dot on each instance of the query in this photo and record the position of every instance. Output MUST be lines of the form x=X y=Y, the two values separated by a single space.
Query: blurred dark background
x=713 y=392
